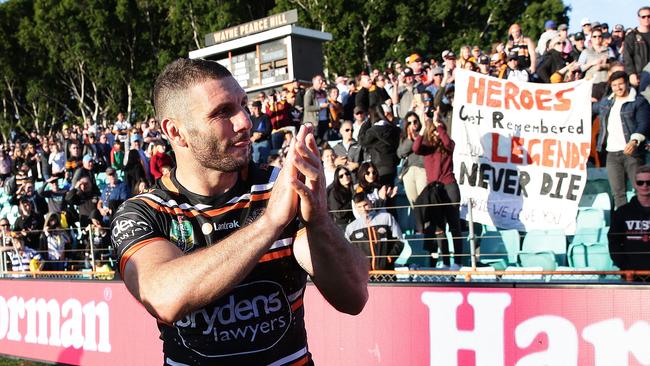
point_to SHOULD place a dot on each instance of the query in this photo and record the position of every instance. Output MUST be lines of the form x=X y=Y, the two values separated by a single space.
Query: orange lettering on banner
x=497 y=93
x=552 y=153
x=539 y=98
x=478 y=90
x=493 y=91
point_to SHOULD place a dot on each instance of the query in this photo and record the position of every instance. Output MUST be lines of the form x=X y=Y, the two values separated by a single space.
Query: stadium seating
x=545 y=248
x=500 y=248
x=600 y=200
x=419 y=256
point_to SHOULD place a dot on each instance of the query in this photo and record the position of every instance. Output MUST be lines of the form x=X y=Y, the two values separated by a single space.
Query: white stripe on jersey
x=171 y=362
x=282 y=243
x=173 y=203
x=292 y=297
x=291 y=357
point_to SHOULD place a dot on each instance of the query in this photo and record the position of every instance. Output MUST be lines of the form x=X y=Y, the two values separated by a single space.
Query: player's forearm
x=340 y=271
x=178 y=286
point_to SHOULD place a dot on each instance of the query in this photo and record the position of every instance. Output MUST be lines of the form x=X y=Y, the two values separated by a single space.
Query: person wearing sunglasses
x=629 y=234
x=594 y=63
x=636 y=48
x=412 y=174
x=339 y=197
x=624 y=125
x=348 y=150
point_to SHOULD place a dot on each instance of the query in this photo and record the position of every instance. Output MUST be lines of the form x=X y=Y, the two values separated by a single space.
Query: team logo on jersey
x=182 y=234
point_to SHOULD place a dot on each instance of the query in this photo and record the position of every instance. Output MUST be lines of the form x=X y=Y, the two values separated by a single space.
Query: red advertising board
x=99 y=323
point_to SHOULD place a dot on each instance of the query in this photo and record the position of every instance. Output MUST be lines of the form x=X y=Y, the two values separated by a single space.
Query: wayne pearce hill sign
x=256 y=26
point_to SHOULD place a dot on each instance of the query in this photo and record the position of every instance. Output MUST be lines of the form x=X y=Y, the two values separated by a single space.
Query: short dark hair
x=638 y=13
x=642 y=169
x=359 y=197
x=181 y=75
x=619 y=75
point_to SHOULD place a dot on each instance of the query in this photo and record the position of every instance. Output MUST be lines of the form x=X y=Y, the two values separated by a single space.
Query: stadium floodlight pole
x=472 y=237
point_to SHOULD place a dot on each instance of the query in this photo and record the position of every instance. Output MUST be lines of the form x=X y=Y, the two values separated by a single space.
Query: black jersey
x=261 y=320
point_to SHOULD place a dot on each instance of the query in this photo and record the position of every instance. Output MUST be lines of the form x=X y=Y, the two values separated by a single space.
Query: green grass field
x=13 y=362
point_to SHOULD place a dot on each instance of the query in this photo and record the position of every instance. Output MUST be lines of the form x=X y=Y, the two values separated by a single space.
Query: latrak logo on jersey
x=252 y=318
x=182 y=235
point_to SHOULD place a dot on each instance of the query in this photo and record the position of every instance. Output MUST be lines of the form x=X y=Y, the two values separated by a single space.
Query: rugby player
x=219 y=251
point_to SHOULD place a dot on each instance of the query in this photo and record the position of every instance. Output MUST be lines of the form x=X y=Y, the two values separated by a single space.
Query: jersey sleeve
x=135 y=225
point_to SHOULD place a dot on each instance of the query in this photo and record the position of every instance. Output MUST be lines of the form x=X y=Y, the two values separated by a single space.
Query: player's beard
x=213 y=153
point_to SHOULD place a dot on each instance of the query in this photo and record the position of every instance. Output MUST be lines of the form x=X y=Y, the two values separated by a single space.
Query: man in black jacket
x=381 y=140
x=629 y=235
x=636 y=48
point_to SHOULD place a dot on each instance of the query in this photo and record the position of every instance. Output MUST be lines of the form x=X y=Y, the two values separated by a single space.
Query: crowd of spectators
x=67 y=183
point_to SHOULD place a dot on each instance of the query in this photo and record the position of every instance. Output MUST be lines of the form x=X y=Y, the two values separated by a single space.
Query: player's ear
x=172 y=129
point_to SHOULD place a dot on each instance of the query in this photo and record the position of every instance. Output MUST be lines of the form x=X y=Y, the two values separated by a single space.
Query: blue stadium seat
x=546 y=245
x=590 y=217
x=500 y=248
x=419 y=256
x=404 y=255
x=590 y=248
x=600 y=200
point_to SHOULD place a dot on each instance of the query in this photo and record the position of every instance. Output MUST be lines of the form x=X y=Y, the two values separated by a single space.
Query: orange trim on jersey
x=301 y=232
x=129 y=252
x=210 y=213
x=167 y=182
x=300 y=362
x=296 y=305
x=276 y=255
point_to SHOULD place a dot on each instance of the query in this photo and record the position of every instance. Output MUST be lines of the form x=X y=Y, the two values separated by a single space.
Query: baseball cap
x=438 y=70
x=110 y=171
x=604 y=25
x=484 y=60
x=562 y=27
x=584 y=21
x=619 y=28
x=550 y=24
x=408 y=71
x=413 y=58
x=87 y=158
x=579 y=36
x=595 y=25
x=135 y=137
x=513 y=56
x=358 y=110
x=447 y=54
x=257 y=104
x=607 y=35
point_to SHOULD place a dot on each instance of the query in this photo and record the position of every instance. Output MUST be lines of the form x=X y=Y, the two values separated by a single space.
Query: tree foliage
x=66 y=60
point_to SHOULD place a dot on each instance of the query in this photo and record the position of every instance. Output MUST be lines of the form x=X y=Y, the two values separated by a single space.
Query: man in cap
x=86 y=170
x=636 y=49
x=404 y=91
x=550 y=32
x=593 y=62
x=618 y=35
x=562 y=32
x=484 y=64
x=512 y=71
x=578 y=45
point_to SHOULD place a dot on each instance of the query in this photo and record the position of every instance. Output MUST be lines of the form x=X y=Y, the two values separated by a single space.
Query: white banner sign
x=521 y=150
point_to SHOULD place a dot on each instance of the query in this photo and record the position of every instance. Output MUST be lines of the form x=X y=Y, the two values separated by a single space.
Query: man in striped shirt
x=21 y=255
x=214 y=251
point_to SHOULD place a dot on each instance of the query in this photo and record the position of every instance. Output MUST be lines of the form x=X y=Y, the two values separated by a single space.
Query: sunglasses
x=347 y=129
x=4 y=225
x=644 y=16
x=371 y=172
x=593 y=36
x=412 y=121
x=643 y=182
x=346 y=174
